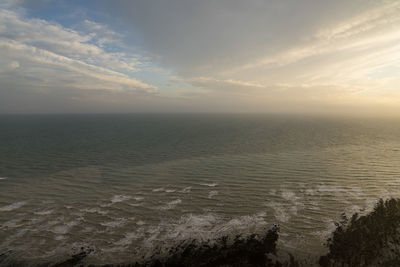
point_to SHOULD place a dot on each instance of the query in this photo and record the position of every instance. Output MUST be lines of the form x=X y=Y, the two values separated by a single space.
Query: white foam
x=329 y=189
x=95 y=210
x=353 y=209
x=140 y=223
x=279 y=211
x=170 y=190
x=209 y=226
x=13 y=206
x=209 y=184
x=191 y=225
x=119 y=198
x=59 y=237
x=289 y=195
x=186 y=189
x=171 y=205
x=61 y=229
x=310 y=192
x=324 y=234
x=44 y=212
x=12 y=223
x=212 y=194
x=87 y=230
x=118 y=223
x=158 y=189
x=135 y=204
x=129 y=237
x=3 y=178
x=73 y=223
x=245 y=222
x=138 y=198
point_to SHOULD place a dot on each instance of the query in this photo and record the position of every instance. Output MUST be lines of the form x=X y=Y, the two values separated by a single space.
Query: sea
x=126 y=185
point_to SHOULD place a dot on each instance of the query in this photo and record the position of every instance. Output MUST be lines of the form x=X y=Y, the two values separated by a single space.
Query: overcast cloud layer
x=200 y=56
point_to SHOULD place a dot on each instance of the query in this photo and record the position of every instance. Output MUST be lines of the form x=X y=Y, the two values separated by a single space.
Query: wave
x=95 y=210
x=119 y=198
x=44 y=212
x=212 y=194
x=13 y=206
x=171 y=205
x=209 y=184
x=117 y=223
x=158 y=189
x=186 y=189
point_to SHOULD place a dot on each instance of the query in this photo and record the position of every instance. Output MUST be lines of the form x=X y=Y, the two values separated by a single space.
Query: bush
x=370 y=240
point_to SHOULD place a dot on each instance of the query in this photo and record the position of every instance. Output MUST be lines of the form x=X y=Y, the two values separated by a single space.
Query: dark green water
x=123 y=184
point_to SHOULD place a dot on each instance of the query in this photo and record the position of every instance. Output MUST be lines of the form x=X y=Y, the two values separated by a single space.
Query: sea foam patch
x=186 y=189
x=119 y=198
x=212 y=194
x=61 y=229
x=11 y=224
x=13 y=206
x=203 y=227
x=170 y=190
x=117 y=223
x=158 y=189
x=128 y=239
x=209 y=184
x=95 y=210
x=44 y=212
x=171 y=205
x=280 y=213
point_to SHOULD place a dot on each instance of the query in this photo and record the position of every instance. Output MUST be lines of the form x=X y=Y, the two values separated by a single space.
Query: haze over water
x=124 y=184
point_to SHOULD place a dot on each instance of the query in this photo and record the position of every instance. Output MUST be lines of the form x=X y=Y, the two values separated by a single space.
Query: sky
x=274 y=56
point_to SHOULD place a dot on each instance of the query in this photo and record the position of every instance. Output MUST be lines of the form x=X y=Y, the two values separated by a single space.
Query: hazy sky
x=61 y=56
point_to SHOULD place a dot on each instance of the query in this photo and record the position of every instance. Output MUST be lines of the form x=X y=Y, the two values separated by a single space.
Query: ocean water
x=125 y=185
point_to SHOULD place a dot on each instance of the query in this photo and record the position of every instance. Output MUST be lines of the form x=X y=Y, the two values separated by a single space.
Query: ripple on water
x=117 y=223
x=119 y=198
x=212 y=194
x=61 y=229
x=13 y=206
x=158 y=189
x=171 y=205
x=209 y=184
x=95 y=210
x=44 y=212
x=186 y=189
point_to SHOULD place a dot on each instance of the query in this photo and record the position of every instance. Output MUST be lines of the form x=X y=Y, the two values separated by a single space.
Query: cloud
x=202 y=37
x=47 y=55
x=228 y=85
x=226 y=55
x=102 y=33
x=372 y=31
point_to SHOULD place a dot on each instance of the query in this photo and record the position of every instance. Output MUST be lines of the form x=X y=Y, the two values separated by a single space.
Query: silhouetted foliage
x=370 y=240
x=253 y=250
